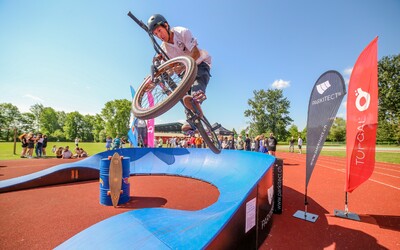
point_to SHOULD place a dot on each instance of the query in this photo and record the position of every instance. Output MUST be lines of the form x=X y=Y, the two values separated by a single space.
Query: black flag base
x=347 y=215
x=306 y=216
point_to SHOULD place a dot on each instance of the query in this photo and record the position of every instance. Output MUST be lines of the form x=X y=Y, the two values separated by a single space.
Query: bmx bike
x=167 y=84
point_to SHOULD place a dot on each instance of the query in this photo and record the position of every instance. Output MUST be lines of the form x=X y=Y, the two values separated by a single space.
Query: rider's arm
x=195 y=53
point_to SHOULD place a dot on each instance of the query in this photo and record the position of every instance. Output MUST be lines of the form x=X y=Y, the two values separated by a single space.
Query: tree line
x=268 y=110
x=61 y=126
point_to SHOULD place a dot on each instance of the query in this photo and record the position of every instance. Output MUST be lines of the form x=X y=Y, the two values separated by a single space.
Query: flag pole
x=303 y=214
x=305 y=204
x=346 y=214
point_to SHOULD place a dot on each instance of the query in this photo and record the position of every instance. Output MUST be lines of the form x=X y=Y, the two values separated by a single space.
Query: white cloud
x=348 y=71
x=281 y=84
x=35 y=98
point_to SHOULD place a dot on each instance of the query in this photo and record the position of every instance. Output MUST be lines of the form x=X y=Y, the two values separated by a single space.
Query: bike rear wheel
x=207 y=133
x=172 y=81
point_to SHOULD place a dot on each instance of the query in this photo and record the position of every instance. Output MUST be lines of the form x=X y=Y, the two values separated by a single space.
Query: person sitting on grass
x=67 y=154
x=83 y=153
x=59 y=152
x=77 y=153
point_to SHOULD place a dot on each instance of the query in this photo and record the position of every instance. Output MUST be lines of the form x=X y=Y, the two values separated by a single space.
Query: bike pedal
x=217 y=126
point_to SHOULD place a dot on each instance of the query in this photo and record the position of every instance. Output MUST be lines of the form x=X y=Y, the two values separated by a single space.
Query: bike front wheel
x=207 y=133
x=172 y=81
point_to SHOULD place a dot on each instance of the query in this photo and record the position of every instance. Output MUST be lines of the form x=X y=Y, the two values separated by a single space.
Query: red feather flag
x=362 y=117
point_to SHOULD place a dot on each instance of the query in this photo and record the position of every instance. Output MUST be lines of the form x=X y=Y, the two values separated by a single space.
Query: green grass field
x=389 y=154
x=7 y=149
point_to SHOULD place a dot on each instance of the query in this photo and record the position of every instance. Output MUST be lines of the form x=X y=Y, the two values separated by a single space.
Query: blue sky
x=76 y=55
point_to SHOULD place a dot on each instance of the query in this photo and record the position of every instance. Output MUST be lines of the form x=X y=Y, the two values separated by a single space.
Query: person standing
x=199 y=142
x=257 y=143
x=39 y=145
x=262 y=145
x=291 y=145
x=231 y=143
x=44 y=145
x=76 y=142
x=271 y=144
x=247 y=143
x=117 y=142
x=108 y=143
x=253 y=145
x=160 y=142
x=31 y=144
x=300 y=144
x=240 y=143
x=24 y=142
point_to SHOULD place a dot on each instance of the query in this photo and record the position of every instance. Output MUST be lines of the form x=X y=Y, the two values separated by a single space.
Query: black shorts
x=272 y=148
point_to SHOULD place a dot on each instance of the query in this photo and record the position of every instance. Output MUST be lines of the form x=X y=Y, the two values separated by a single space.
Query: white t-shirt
x=300 y=141
x=184 y=42
x=67 y=154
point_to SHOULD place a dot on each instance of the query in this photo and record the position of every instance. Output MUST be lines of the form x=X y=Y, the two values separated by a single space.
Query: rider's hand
x=158 y=58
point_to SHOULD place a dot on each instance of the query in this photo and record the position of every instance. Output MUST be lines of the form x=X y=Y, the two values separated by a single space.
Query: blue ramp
x=236 y=174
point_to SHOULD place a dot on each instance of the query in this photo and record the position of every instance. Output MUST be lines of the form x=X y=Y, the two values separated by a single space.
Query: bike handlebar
x=139 y=22
x=156 y=46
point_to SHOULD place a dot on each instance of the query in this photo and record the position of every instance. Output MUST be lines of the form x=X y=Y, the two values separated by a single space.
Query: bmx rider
x=179 y=41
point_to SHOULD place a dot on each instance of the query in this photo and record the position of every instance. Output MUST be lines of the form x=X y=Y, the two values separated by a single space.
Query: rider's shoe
x=188 y=129
x=199 y=96
x=193 y=105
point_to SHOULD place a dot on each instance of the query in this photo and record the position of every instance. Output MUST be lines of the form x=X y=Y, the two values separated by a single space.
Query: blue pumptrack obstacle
x=240 y=218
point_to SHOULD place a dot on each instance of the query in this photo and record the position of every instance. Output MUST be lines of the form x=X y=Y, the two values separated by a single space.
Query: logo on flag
x=321 y=88
x=362 y=96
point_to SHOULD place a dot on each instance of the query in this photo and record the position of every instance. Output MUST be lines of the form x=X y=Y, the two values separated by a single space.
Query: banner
x=325 y=100
x=150 y=123
x=362 y=117
x=132 y=133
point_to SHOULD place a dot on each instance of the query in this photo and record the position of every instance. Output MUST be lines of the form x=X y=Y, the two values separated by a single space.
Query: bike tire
x=168 y=91
x=207 y=133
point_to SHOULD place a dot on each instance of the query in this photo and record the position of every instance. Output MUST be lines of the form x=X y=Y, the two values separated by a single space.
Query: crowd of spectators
x=38 y=143
x=115 y=143
x=66 y=153
x=33 y=143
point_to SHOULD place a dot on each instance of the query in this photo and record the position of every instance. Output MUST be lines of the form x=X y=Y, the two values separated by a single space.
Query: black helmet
x=154 y=21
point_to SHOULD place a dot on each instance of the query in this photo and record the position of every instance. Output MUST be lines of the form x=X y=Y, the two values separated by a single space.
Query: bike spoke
x=165 y=83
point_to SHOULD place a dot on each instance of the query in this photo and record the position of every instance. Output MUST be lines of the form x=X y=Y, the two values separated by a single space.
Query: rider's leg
x=193 y=105
x=198 y=88
x=188 y=127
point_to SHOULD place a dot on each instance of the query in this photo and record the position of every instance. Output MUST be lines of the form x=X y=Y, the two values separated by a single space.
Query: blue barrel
x=105 y=186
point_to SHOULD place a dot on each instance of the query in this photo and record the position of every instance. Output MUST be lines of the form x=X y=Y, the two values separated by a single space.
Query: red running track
x=42 y=218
